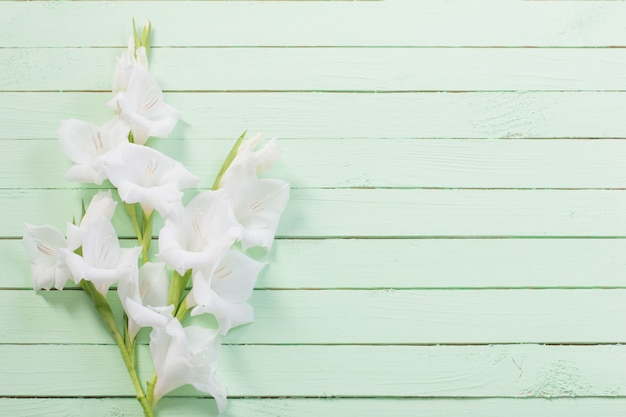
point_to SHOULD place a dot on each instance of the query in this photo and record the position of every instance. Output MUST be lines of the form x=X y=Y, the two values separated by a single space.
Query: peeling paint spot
x=561 y=379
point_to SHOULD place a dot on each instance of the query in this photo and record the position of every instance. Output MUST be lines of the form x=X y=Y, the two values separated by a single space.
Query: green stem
x=147 y=235
x=129 y=362
x=104 y=309
x=150 y=393
x=177 y=287
x=131 y=209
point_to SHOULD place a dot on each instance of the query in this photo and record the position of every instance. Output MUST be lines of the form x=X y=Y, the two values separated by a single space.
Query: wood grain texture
x=338 y=317
x=414 y=264
x=326 y=69
x=431 y=23
x=373 y=163
x=309 y=407
x=512 y=371
x=324 y=213
x=340 y=116
x=455 y=240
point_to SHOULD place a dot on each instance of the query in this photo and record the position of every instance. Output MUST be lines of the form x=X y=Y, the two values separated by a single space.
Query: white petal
x=105 y=262
x=101 y=205
x=75 y=263
x=80 y=140
x=144 y=175
x=143 y=108
x=84 y=143
x=128 y=288
x=227 y=315
x=124 y=67
x=142 y=58
x=201 y=235
x=43 y=245
x=75 y=236
x=148 y=317
x=153 y=284
x=258 y=207
x=249 y=162
x=234 y=278
x=101 y=246
x=223 y=292
x=191 y=358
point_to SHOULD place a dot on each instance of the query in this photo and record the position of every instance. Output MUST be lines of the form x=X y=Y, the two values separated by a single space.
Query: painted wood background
x=455 y=243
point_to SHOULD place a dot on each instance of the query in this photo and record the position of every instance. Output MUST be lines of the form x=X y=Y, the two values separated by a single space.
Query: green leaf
x=145 y=37
x=136 y=36
x=83 y=210
x=229 y=159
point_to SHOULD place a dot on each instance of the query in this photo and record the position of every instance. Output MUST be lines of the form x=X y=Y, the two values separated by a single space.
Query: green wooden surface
x=338 y=115
x=455 y=243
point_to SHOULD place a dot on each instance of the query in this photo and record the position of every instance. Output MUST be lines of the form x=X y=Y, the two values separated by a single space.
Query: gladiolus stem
x=177 y=287
x=131 y=209
x=150 y=393
x=147 y=235
x=104 y=310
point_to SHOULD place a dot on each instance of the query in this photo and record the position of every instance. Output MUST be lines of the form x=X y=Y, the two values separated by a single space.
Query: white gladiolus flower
x=126 y=63
x=200 y=234
x=258 y=203
x=200 y=241
x=143 y=108
x=103 y=262
x=223 y=292
x=85 y=143
x=146 y=176
x=43 y=244
x=181 y=355
x=249 y=162
x=101 y=205
x=150 y=288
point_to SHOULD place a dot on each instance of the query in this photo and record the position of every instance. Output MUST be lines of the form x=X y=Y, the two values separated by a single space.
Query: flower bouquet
x=201 y=267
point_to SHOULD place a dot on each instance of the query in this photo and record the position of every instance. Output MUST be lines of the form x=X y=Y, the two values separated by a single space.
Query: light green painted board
x=337 y=317
x=305 y=407
x=334 y=116
x=322 y=213
x=430 y=23
x=425 y=163
x=336 y=69
x=337 y=141
x=522 y=371
x=419 y=263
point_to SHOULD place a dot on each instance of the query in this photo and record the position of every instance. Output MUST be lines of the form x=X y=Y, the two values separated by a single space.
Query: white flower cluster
x=203 y=242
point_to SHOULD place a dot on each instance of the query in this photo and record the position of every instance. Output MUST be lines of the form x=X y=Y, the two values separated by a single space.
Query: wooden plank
x=432 y=23
x=309 y=407
x=404 y=163
x=333 y=115
x=356 y=316
x=415 y=264
x=336 y=371
x=330 y=69
x=323 y=213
